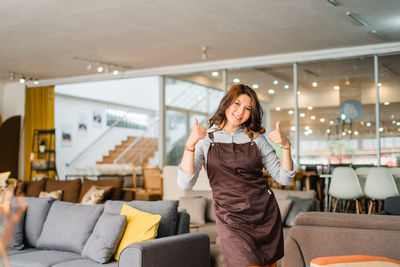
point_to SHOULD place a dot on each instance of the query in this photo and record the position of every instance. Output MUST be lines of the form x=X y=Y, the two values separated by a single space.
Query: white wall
x=134 y=92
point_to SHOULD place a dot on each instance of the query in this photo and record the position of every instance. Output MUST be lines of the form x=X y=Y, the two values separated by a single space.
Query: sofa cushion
x=168 y=209
x=70 y=189
x=284 y=207
x=116 y=185
x=298 y=205
x=94 y=195
x=17 y=208
x=282 y=194
x=85 y=263
x=140 y=226
x=196 y=207
x=105 y=238
x=20 y=189
x=42 y=258
x=34 y=188
x=207 y=194
x=36 y=213
x=68 y=226
x=354 y=261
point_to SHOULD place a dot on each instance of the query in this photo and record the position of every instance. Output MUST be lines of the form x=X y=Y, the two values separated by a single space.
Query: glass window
x=337 y=112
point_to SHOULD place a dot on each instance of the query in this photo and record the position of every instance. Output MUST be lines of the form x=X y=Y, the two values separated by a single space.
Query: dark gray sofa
x=55 y=233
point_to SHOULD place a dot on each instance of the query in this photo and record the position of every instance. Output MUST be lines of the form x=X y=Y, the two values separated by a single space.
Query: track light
x=381 y=35
x=333 y=2
x=101 y=66
x=12 y=76
x=115 y=72
x=22 y=80
x=357 y=19
x=89 y=67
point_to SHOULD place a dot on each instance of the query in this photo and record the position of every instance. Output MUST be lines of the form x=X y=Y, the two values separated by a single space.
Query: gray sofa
x=58 y=234
x=322 y=234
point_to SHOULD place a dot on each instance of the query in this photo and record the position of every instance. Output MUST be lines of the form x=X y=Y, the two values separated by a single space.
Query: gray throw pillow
x=168 y=209
x=36 y=213
x=105 y=238
x=298 y=205
x=17 y=241
x=68 y=226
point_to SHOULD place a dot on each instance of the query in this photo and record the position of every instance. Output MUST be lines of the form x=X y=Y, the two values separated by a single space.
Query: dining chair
x=379 y=185
x=152 y=184
x=345 y=186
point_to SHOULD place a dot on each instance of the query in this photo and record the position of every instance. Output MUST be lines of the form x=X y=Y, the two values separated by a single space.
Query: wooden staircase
x=139 y=154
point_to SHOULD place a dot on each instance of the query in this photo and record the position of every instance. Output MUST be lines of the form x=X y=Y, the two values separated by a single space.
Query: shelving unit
x=43 y=155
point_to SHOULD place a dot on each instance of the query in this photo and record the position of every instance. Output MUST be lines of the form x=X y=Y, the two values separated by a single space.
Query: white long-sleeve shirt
x=270 y=161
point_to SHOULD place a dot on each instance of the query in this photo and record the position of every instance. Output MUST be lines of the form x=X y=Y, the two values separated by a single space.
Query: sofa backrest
x=319 y=234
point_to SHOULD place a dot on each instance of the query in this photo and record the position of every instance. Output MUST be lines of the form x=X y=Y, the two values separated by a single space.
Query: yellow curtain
x=39 y=114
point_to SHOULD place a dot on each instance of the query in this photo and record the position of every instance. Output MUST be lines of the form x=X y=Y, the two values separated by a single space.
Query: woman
x=234 y=152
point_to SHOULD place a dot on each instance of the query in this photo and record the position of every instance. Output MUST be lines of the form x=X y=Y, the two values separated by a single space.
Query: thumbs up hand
x=198 y=132
x=277 y=137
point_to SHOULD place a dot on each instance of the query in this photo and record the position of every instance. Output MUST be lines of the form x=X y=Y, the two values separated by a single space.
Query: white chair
x=395 y=171
x=362 y=174
x=345 y=186
x=379 y=186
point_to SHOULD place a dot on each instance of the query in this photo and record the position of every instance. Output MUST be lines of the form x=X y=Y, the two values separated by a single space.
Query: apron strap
x=211 y=135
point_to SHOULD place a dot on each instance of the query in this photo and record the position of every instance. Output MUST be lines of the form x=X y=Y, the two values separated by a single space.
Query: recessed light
x=215 y=73
x=276 y=82
x=343 y=133
x=368 y=124
x=386 y=103
x=22 y=80
x=286 y=86
x=313 y=117
x=393 y=122
x=336 y=87
x=314 y=84
x=355 y=132
x=255 y=86
x=271 y=91
x=99 y=69
x=298 y=92
x=379 y=84
x=115 y=72
x=381 y=129
x=328 y=131
x=331 y=122
x=302 y=115
x=236 y=80
x=398 y=123
x=278 y=108
x=293 y=128
x=307 y=127
x=322 y=120
x=291 y=112
x=309 y=107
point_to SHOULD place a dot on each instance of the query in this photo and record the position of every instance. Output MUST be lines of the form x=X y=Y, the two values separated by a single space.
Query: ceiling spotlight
x=115 y=72
x=99 y=69
x=271 y=91
x=36 y=81
x=89 y=67
x=313 y=117
x=336 y=87
x=398 y=123
x=331 y=122
x=379 y=84
x=293 y=128
x=298 y=92
x=314 y=84
x=381 y=35
x=322 y=120
x=386 y=103
x=278 y=108
x=343 y=116
x=333 y=2
x=204 y=52
x=368 y=124
x=381 y=129
x=357 y=19
x=286 y=86
x=291 y=112
x=255 y=86
x=328 y=131
x=276 y=82
x=355 y=132
x=309 y=107
x=302 y=115
x=307 y=127
x=215 y=73
x=236 y=80
x=22 y=80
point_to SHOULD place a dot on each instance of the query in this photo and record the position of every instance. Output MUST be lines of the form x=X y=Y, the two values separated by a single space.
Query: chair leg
x=370 y=206
x=358 y=206
x=347 y=206
x=336 y=204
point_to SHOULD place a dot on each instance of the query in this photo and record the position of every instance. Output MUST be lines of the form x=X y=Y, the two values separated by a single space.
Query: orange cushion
x=354 y=261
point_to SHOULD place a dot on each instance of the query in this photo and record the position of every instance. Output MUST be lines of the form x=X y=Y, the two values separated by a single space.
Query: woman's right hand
x=198 y=132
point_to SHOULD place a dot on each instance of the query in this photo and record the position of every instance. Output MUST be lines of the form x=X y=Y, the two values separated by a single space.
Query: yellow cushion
x=140 y=226
x=354 y=261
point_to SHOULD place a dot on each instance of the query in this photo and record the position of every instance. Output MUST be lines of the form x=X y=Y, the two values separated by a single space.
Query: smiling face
x=238 y=112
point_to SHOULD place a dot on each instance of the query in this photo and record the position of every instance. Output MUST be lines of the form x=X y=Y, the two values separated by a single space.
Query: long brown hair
x=252 y=126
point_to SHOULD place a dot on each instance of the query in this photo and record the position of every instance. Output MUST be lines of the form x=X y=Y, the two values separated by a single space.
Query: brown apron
x=248 y=218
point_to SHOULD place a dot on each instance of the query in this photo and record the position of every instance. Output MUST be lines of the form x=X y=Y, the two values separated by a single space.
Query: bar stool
x=345 y=186
x=379 y=185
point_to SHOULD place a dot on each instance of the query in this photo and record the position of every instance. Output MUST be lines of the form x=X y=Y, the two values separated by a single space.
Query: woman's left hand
x=277 y=137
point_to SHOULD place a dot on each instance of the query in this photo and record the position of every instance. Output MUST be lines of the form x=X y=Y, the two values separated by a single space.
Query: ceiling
x=43 y=38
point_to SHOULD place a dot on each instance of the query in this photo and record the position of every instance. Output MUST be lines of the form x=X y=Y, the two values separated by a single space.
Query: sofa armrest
x=293 y=256
x=191 y=249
